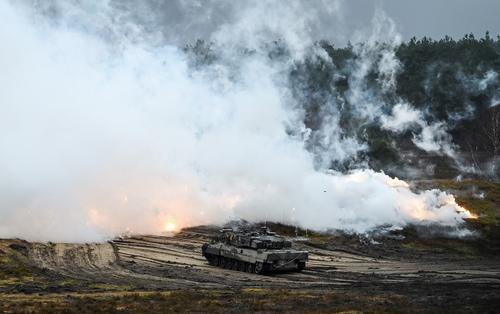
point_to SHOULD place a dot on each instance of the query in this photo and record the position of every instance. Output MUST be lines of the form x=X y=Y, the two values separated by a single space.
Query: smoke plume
x=106 y=127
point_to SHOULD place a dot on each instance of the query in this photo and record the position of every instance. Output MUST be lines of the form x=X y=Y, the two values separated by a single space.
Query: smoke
x=486 y=83
x=431 y=137
x=106 y=129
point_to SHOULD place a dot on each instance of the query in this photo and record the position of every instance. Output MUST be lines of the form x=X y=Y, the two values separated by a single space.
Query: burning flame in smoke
x=170 y=227
x=173 y=214
x=467 y=213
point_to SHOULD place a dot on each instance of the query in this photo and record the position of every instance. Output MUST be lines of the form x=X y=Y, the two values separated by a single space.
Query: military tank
x=256 y=252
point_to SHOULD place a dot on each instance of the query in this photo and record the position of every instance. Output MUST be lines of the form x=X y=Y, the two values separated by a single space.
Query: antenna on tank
x=294 y=221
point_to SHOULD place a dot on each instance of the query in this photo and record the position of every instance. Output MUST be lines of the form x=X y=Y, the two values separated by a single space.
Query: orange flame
x=170 y=226
x=468 y=213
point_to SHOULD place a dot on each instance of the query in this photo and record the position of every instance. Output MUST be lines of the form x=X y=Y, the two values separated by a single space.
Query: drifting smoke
x=431 y=138
x=105 y=130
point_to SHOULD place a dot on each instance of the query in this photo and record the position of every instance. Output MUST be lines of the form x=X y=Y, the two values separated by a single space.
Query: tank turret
x=253 y=251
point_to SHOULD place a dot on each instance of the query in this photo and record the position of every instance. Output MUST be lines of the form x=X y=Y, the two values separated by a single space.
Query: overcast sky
x=434 y=18
x=183 y=21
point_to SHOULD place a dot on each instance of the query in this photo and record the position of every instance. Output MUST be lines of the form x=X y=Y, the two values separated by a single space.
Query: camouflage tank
x=254 y=252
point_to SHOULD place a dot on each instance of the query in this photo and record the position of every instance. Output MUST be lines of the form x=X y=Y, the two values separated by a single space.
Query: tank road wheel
x=250 y=268
x=241 y=266
x=301 y=266
x=217 y=260
x=258 y=268
x=223 y=262
x=234 y=264
x=227 y=263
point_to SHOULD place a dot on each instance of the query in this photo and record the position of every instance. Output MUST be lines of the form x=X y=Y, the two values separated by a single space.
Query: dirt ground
x=169 y=274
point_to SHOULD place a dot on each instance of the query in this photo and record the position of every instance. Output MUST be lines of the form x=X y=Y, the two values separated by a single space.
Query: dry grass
x=218 y=301
x=13 y=263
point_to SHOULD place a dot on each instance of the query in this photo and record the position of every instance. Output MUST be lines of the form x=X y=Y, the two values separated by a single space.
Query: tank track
x=233 y=264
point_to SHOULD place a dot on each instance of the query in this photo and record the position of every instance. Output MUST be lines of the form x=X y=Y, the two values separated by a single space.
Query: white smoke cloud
x=480 y=83
x=375 y=51
x=489 y=79
x=435 y=138
x=99 y=138
x=430 y=137
x=403 y=117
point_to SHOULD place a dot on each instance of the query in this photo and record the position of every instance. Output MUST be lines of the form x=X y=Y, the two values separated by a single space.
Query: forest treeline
x=453 y=83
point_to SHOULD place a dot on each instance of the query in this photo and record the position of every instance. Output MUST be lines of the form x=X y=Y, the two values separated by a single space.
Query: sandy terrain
x=156 y=263
x=176 y=262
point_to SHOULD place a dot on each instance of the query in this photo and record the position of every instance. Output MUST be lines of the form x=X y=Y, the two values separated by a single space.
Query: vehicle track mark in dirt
x=161 y=262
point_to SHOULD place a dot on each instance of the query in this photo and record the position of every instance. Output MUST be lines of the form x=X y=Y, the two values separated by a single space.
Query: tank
x=257 y=252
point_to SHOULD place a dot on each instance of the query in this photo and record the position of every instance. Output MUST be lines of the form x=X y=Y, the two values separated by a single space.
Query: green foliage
x=434 y=71
x=448 y=80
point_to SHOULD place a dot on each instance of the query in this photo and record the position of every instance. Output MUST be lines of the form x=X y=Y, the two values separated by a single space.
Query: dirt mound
x=73 y=259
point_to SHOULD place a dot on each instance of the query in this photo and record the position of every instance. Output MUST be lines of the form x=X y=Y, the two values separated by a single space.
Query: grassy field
x=220 y=301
